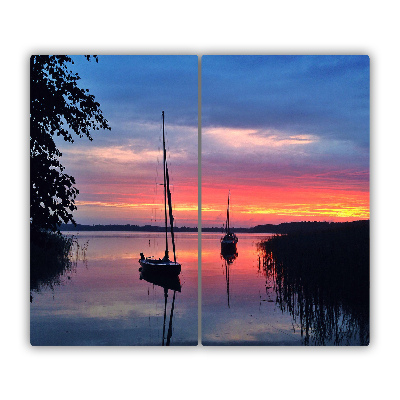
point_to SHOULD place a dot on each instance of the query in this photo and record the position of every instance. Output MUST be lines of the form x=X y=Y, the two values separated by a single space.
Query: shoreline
x=285 y=227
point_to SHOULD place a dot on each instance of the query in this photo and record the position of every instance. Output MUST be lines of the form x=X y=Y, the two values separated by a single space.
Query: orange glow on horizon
x=124 y=186
x=274 y=205
x=144 y=207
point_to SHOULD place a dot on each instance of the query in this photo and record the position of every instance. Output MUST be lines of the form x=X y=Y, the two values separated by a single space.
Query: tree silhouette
x=58 y=107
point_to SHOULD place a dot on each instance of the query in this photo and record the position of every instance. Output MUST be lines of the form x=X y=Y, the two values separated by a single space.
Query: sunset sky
x=288 y=136
x=119 y=173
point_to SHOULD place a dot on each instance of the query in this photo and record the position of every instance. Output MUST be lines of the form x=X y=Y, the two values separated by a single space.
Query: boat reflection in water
x=167 y=283
x=229 y=257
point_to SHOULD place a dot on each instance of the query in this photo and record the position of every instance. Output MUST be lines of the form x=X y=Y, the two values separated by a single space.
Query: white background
x=206 y=27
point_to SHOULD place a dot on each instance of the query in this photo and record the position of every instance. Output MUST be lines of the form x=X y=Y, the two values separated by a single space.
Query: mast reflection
x=167 y=283
x=229 y=257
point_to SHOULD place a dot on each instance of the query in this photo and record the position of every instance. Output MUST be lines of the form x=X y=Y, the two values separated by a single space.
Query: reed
x=49 y=258
x=322 y=279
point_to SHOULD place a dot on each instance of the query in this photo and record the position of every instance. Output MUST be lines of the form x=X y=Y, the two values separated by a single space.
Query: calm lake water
x=248 y=299
x=245 y=301
x=103 y=301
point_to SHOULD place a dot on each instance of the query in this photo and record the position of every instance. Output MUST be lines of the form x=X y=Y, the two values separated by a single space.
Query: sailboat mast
x=171 y=217
x=165 y=189
x=227 y=216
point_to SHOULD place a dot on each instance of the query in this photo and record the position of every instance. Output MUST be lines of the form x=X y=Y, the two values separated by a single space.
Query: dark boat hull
x=228 y=250
x=159 y=267
x=228 y=243
x=228 y=247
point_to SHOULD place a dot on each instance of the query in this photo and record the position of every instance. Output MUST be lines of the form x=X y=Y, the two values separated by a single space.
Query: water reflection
x=106 y=304
x=229 y=257
x=323 y=283
x=288 y=294
x=167 y=283
x=54 y=262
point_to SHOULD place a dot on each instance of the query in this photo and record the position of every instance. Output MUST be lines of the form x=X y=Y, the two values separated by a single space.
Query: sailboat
x=228 y=242
x=163 y=266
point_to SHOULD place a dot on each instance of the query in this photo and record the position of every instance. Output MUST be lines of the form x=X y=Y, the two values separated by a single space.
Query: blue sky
x=288 y=135
x=324 y=95
x=268 y=123
x=117 y=172
x=138 y=88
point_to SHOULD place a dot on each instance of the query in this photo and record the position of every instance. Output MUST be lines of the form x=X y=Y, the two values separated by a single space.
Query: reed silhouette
x=322 y=279
x=52 y=258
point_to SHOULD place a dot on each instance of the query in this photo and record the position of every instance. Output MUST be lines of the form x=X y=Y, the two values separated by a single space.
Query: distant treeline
x=293 y=227
x=286 y=227
x=127 y=227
